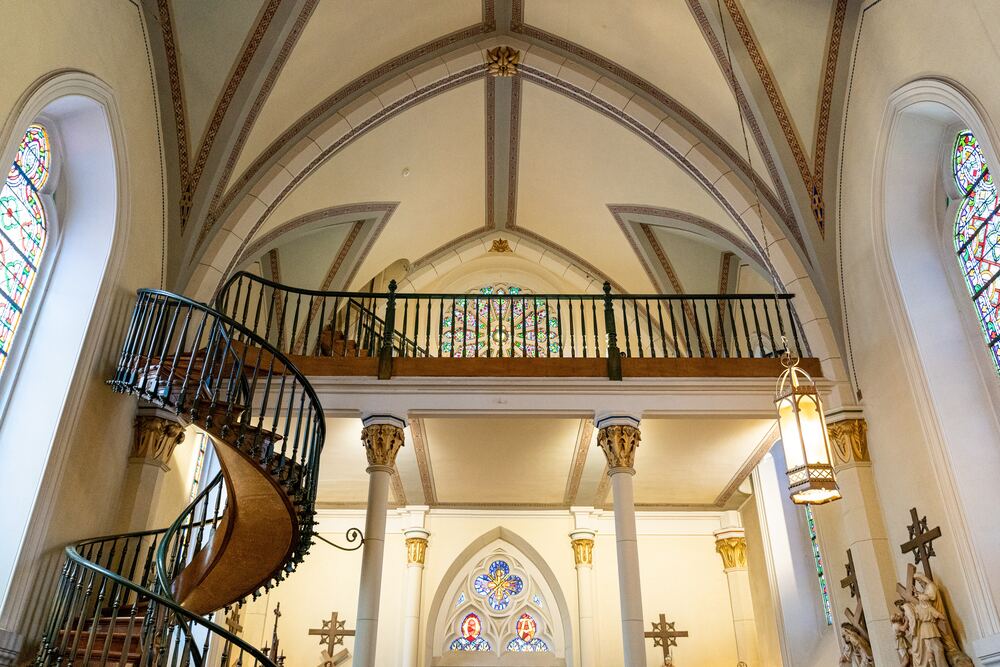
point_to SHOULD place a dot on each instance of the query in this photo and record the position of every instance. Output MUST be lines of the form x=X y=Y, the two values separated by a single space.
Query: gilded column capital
x=583 y=551
x=416 y=550
x=618 y=438
x=733 y=550
x=849 y=441
x=382 y=438
x=154 y=440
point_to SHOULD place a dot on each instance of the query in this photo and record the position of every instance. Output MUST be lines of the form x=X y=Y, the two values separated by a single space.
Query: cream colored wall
x=918 y=458
x=765 y=614
x=681 y=576
x=91 y=443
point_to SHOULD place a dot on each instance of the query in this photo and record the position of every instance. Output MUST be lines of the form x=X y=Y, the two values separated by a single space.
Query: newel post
x=614 y=354
x=388 y=331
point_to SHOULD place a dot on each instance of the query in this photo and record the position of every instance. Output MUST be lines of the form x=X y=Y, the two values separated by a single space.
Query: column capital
x=416 y=545
x=154 y=440
x=731 y=545
x=618 y=438
x=583 y=546
x=849 y=441
x=382 y=436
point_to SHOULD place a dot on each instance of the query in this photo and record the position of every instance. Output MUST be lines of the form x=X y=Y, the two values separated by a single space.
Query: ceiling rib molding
x=388 y=70
x=779 y=202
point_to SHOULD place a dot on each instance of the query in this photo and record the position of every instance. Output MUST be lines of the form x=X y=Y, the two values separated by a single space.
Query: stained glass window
x=199 y=464
x=818 y=558
x=470 y=639
x=498 y=586
x=499 y=609
x=977 y=232
x=23 y=231
x=519 y=326
x=525 y=640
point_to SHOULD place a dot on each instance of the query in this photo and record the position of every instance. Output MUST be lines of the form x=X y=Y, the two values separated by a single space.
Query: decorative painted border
x=579 y=461
x=515 y=150
x=491 y=147
x=176 y=89
x=420 y=450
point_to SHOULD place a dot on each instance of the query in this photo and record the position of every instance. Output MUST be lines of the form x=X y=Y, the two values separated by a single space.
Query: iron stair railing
x=115 y=602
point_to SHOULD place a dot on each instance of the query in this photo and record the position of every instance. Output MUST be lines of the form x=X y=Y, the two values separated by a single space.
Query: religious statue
x=857 y=650
x=922 y=626
x=901 y=629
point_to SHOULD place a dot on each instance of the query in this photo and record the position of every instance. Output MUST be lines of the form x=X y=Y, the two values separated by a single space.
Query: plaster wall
x=77 y=461
x=681 y=576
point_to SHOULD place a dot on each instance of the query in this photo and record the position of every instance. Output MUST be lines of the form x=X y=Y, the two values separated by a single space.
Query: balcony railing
x=615 y=327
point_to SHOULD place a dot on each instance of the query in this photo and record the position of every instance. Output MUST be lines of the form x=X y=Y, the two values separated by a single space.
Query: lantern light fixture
x=802 y=426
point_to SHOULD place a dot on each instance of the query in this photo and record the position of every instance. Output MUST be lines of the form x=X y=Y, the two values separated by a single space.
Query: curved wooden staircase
x=151 y=598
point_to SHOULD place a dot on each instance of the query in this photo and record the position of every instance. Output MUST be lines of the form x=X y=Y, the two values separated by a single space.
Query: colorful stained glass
x=526 y=642
x=470 y=630
x=820 y=572
x=977 y=235
x=199 y=464
x=521 y=326
x=22 y=231
x=498 y=586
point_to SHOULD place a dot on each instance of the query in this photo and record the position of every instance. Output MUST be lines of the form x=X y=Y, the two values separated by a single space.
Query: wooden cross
x=921 y=541
x=850 y=582
x=332 y=632
x=665 y=635
x=233 y=622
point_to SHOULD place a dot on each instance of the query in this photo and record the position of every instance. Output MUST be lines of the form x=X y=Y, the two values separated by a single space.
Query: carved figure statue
x=923 y=628
x=857 y=651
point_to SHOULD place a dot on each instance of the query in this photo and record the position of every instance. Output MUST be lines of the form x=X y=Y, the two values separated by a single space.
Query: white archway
x=943 y=379
x=61 y=343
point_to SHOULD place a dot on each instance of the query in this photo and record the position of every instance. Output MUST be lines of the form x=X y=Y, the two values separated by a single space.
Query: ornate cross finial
x=921 y=541
x=502 y=61
x=332 y=632
x=665 y=635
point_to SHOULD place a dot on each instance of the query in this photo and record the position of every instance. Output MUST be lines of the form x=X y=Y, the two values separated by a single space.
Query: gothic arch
x=70 y=321
x=477 y=548
x=951 y=378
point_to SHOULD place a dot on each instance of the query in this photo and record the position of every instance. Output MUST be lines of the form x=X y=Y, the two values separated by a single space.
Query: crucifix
x=921 y=541
x=234 y=626
x=856 y=616
x=272 y=650
x=332 y=632
x=665 y=635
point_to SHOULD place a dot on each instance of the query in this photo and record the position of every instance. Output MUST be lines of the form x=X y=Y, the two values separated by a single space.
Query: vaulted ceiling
x=323 y=141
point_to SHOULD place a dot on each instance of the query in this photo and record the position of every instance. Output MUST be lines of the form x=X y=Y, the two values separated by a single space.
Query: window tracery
x=499 y=608
x=23 y=231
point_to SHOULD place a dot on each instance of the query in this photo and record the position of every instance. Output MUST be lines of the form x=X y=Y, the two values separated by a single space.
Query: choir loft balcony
x=502 y=331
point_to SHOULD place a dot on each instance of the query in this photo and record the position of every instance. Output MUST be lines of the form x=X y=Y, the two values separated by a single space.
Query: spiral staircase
x=156 y=597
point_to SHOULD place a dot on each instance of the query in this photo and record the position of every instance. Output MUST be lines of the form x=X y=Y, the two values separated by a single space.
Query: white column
x=731 y=544
x=583 y=555
x=416 y=550
x=618 y=437
x=382 y=437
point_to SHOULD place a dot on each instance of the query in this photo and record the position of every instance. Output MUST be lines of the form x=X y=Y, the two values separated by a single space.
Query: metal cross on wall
x=233 y=622
x=332 y=632
x=921 y=541
x=665 y=635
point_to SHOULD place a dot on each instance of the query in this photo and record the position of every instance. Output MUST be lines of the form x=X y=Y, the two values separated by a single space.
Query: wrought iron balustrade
x=519 y=325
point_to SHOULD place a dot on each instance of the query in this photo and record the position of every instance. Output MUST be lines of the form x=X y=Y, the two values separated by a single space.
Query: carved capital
x=416 y=550
x=849 y=441
x=733 y=551
x=154 y=440
x=583 y=551
x=382 y=442
x=619 y=442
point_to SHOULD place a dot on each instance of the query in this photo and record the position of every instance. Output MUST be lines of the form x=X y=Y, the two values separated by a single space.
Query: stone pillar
x=731 y=545
x=416 y=549
x=154 y=438
x=619 y=437
x=583 y=556
x=382 y=437
x=864 y=530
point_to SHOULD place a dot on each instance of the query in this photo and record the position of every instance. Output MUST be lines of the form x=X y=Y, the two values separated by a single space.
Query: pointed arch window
x=977 y=232
x=499 y=608
x=23 y=231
